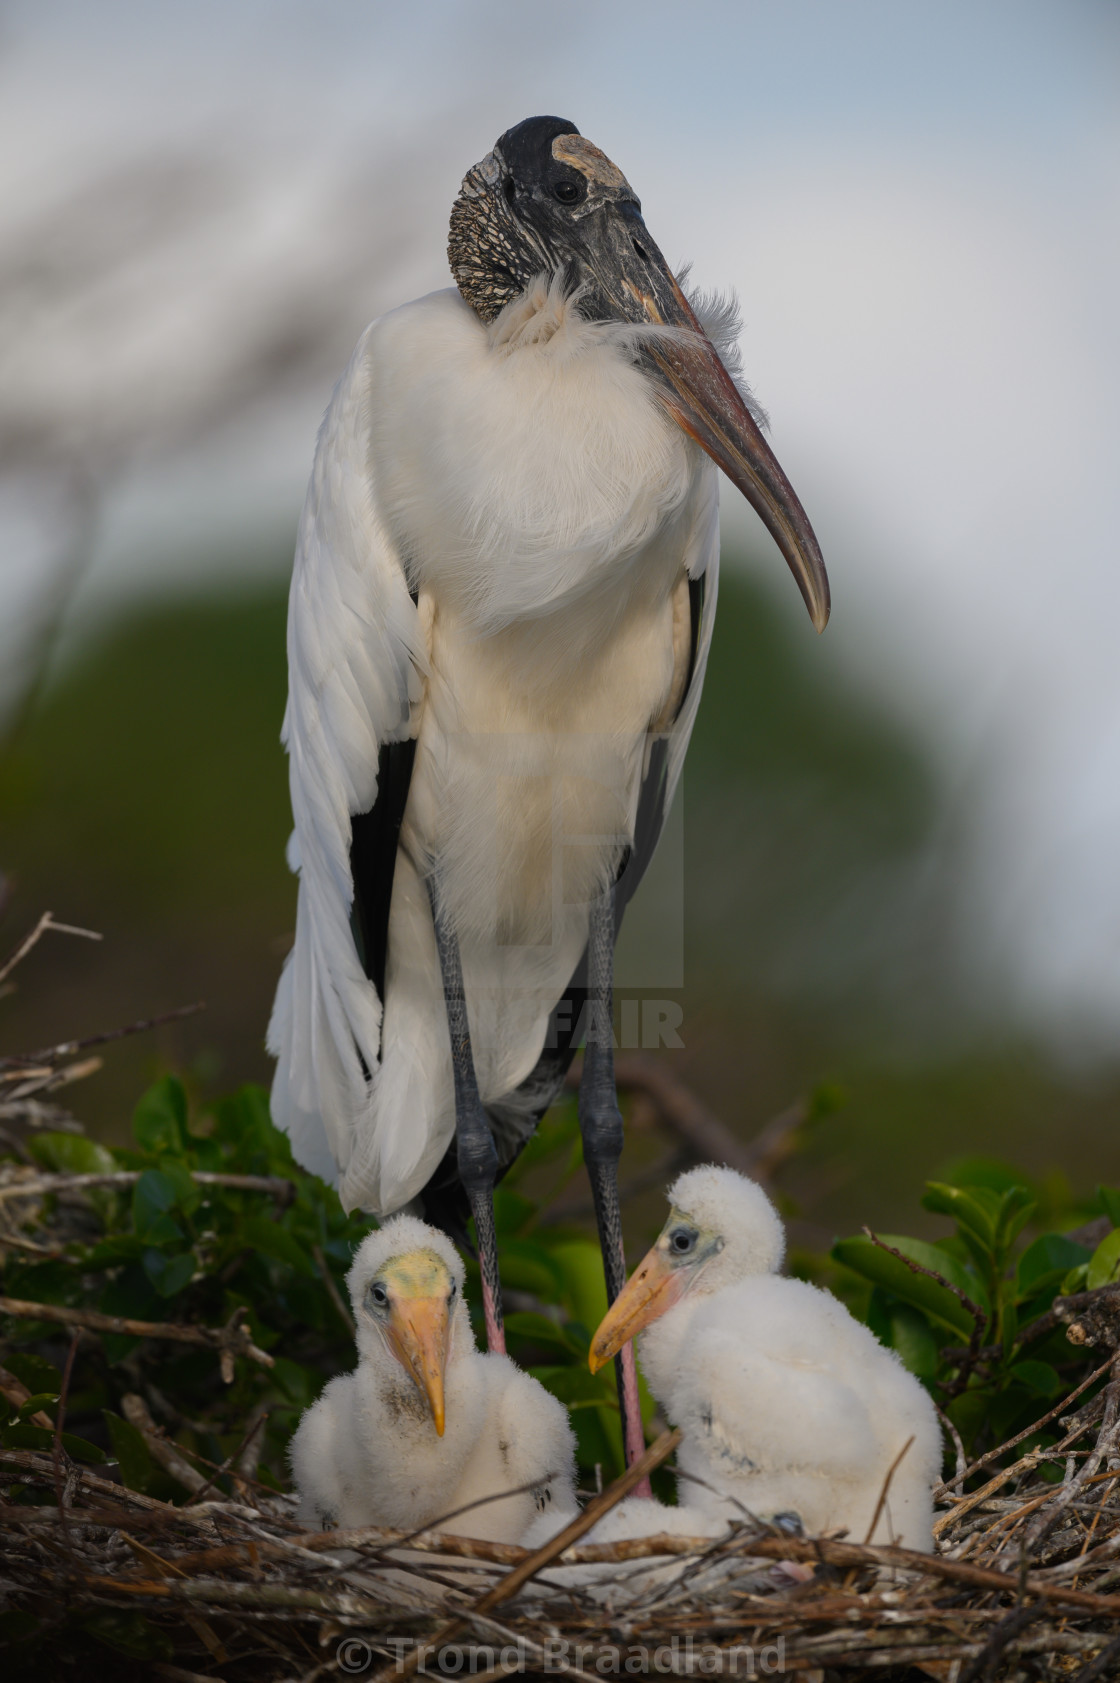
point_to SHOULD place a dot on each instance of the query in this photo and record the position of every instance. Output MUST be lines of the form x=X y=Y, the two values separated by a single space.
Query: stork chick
x=787 y=1404
x=426 y=1424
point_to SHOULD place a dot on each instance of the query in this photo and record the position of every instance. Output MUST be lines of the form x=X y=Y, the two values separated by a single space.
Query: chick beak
x=420 y=1334
x=654 y=1287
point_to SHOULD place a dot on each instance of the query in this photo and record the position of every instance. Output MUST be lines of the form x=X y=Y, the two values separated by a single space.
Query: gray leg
x=478 y=1161
x=600 y=1123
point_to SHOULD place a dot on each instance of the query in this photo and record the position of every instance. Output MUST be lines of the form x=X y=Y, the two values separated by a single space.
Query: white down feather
x=367 y=1453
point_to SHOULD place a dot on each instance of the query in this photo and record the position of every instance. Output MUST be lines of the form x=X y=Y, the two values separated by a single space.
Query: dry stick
x=45 y=922
x=543 y=1557
x=1096 y=1667
x=275 y=1185
x=333 y=1292
x=1001 y=1449
x=1024 y=1464
x=230 y=1340
x=67 y=1048
x=709 y=1139
x=135 y=1411
x=1004 y=1634
x=891 y=1470
x=1105 y=1445
x=56 y=1447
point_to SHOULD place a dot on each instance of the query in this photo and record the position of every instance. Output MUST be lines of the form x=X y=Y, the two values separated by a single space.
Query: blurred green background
x=143 y=794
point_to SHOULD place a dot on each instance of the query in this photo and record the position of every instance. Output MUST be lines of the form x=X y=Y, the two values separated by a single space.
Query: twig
x=891 y=1470
x=1105 y=1446
x=1098 y=1667
x=333 y=1292
x=15 y=1392
x=984 y=1663
x=542 y=1557
x=708 y=1139
x=56 y=1446
x=276 y=1186
x=979 y=1319
x=45 y=922
x=135 y=1411
x=1028 y=1431
x=67 y=1048
x=230 y=1340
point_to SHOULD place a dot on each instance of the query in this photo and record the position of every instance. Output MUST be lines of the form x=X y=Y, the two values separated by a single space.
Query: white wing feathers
x=356 y=665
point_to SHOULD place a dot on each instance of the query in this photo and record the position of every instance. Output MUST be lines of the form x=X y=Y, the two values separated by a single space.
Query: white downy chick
x=426 y=1424
x=787 y=1403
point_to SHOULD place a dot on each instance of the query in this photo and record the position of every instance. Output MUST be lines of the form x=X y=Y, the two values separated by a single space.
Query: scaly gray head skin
x=546 y=201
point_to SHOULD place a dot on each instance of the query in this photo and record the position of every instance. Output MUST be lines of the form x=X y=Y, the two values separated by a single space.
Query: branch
x=979 y=1319
x=67 y=1048
x=45 y=922
x=231 y=1340
x=279 y=1188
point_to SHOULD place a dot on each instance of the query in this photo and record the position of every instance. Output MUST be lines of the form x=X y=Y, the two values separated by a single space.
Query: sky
x=201 y=205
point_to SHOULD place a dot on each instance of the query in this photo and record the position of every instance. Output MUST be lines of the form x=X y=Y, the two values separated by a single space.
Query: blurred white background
x=202 y=204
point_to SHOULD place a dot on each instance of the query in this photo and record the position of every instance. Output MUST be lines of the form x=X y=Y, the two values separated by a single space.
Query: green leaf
x=71 y=1154
x=26 y=1436
x=1045 y=1263
x=539 y=1330
x=512 y=1212
x=1015 y=1210
x=169 y=1274
x=275 y=1241
x=34 y=1371
x=1039 y=1377
x=153 y=1195
x=1104 y=1264
x=130 y=1449
x=44 y=1400
x=1110 y=1203
x=975 y=1208
x=935 y=1300
x=912 y=1336
x=159 y=1122
x=1074 y=1280
x=584 y=1286
x=992 y=1172
x=532 y=1267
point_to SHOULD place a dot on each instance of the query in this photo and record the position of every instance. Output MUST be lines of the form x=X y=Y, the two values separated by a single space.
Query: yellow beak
x=420 y=1334
x=653 y=1287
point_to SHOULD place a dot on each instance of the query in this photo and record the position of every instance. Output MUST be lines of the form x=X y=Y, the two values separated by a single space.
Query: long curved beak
x=653 y=1287
x=419 y=1331
x=631 y=280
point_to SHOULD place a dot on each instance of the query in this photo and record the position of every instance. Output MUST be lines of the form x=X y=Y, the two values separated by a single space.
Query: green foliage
x=963 y=1313
x=990 y=1288
x=169 y=1248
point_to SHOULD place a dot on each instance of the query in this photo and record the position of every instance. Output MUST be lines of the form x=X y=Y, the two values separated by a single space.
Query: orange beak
x=653 y=1287
x=419 y=1332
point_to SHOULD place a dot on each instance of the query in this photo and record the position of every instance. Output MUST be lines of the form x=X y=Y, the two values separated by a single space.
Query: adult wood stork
x=426 y=1425
x=787 y=1403
x=500 y=615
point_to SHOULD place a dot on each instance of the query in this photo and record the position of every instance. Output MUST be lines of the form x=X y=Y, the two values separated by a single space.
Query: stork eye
x=682 y=1240
x=378 y=1296
x=566 y=191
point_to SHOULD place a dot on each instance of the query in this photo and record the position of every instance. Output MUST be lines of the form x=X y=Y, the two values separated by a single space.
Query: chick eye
x=378 y=1296
x=566 y=191
x=451 y=1293
x=682 y=1240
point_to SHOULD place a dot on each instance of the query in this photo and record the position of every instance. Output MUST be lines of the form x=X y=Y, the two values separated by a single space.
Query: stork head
x=546 y=201
x=721 y=1228
x=406 y=1287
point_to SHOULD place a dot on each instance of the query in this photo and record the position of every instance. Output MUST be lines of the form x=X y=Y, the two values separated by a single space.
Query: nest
x=1025 y=1584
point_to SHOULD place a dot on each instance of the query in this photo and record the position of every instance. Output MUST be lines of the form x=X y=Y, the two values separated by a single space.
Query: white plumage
x=786 y=1402
x=524 y=483
x=369 y=1452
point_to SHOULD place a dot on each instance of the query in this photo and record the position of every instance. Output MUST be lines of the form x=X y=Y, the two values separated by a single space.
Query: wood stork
x=426 y=1424
x=787 y=1404
x=499 y=621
